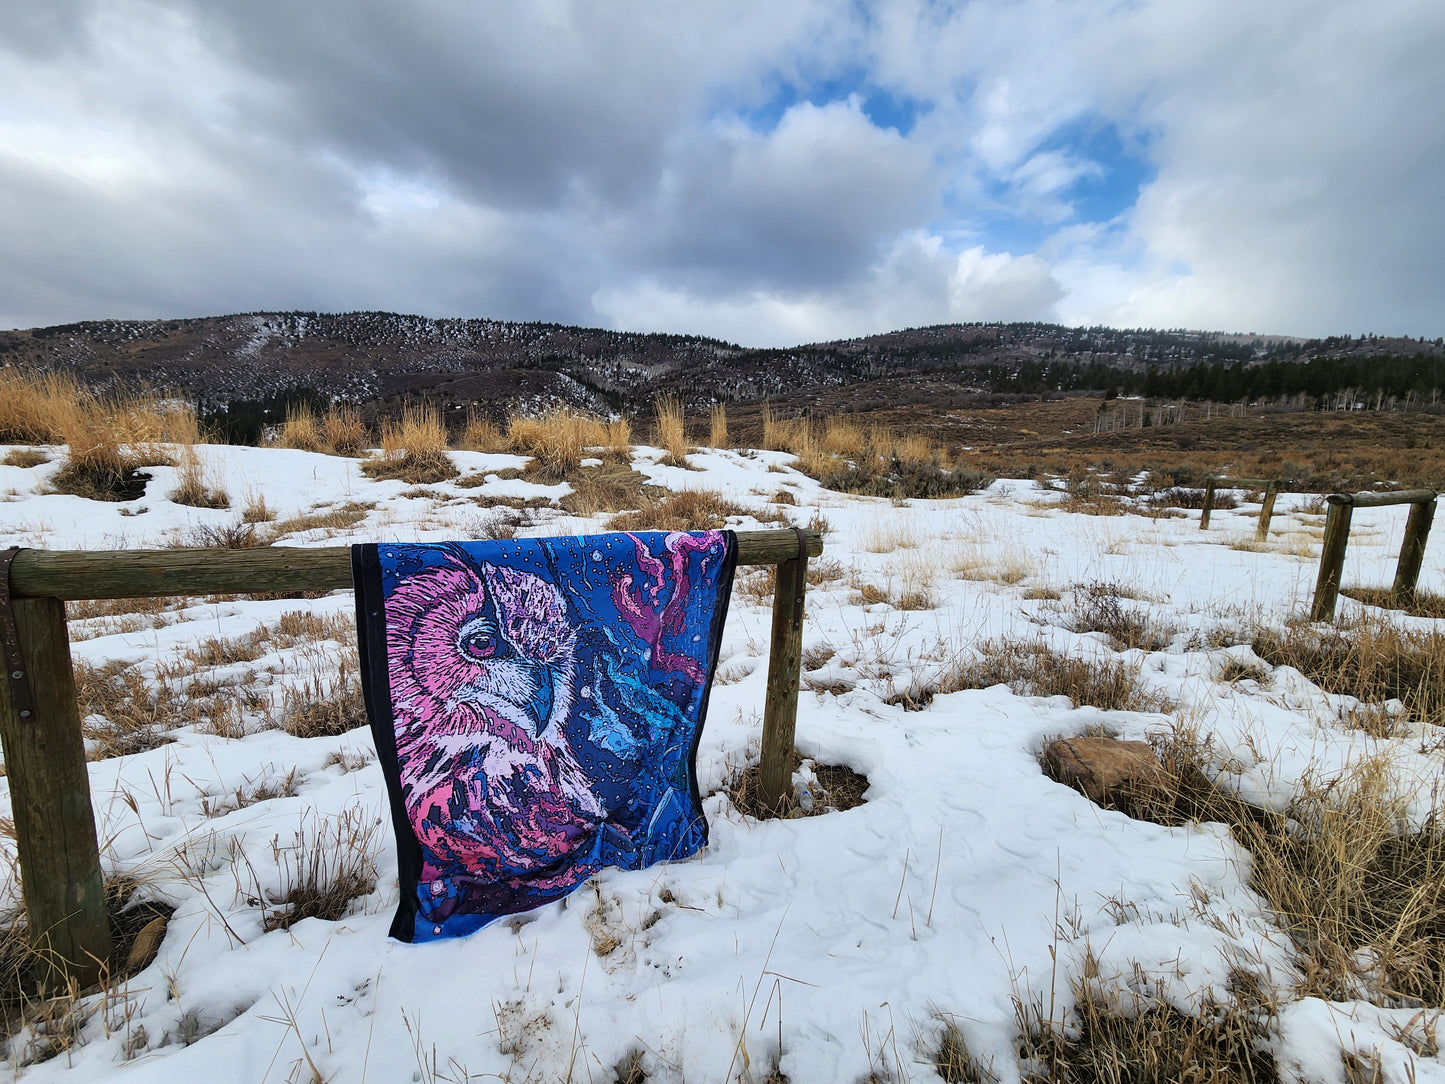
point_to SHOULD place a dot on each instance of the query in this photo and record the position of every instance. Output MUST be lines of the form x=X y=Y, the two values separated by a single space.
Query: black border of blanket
x=376 y=693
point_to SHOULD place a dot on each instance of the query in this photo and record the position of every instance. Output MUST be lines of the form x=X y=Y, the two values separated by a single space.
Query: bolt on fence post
x=1266 y=512
x=60 y=876
x=785 y=663
x=1208 y=505
x=1412 y=552
x=1332 y=557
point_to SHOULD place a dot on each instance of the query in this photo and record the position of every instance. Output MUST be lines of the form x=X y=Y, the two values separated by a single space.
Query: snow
x=966 y=881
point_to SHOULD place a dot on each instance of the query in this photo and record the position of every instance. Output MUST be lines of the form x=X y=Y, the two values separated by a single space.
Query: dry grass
x=671 y=430
x=25 y=457
x=251 y=792
x=618 y=443
x=342 y=430
x=256 y=510
x=685 y=510
x=228 y=650
x=1235 y=670
x=818 y=789
x=123 y=711
x=300 y=430
x=342 y=517
x=44 y=1014
x=611 y=487
x=96 y=466
x=717 y=431
x=193 y=485
x=976 y=563
x=1035 y=669
x=327 y=864
x=555 y=440
x=225 y=536
x=1099 y=607
x=413 y=449
x=324 y=707
x=1417 y=604
x=481 y=434
x=1124 y=1036
x=34 y=407
x=888 y=535
x=1359 y=888
x=1371 y=660
x=785 y=434
x=908 y=586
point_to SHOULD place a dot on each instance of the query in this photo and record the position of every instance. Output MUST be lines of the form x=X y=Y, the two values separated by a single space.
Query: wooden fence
x=1337 y=537
x=1266 y=511
x=40 y=720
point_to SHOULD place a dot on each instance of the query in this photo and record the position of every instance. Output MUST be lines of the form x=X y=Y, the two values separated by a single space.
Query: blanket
x=536 y=706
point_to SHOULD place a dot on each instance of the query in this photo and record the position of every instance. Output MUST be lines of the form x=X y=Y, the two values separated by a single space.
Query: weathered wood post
x=1332 y=556
x=785 y=664
x=1412 y=552
x=1266 y=512
x=60 y=878
x=1208 y=504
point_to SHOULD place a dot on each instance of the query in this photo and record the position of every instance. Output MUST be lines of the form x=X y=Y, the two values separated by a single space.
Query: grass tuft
x=25 y=457
x=1035 y=669
x=671 y=431
x=817 y=789
x=685 y=510
x=1371 y=660
x=325 y=866
x=413 y=449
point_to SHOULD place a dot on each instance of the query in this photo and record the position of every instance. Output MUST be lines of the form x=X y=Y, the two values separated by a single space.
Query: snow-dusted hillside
x=831 y=946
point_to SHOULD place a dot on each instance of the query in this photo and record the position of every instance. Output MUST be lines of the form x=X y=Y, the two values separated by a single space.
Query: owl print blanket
x=536 y=706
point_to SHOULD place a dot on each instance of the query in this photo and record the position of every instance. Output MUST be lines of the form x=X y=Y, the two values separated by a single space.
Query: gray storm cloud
x=717 y=168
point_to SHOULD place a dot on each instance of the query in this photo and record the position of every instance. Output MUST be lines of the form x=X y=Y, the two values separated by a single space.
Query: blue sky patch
x=882 y=107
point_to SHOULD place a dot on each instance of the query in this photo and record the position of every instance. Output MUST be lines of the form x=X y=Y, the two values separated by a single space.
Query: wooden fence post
x=785 y=664
x=1208 y=505
x=1412 y=552
x=1332 y=557
x=1266 y=512
x=60 y=875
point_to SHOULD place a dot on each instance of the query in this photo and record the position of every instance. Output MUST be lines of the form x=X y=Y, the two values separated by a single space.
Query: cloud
x=917 y=282
x=648 y=165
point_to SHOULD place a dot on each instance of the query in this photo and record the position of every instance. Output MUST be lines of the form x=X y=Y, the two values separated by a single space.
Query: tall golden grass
x=481 y=434
x=555 y=439
x=671 y=430
x=413 y=449
x=717 y=436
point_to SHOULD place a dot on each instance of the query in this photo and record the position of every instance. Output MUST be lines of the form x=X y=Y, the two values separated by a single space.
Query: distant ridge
x=377 y=357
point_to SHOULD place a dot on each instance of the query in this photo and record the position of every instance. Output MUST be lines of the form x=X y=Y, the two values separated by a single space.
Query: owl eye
x=478 y=640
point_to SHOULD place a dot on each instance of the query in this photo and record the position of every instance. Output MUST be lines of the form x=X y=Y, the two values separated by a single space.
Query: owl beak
x=540 y=705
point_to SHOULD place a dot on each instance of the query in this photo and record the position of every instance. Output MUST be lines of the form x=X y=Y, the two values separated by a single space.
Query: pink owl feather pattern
x=536 y=706
x=481 y=666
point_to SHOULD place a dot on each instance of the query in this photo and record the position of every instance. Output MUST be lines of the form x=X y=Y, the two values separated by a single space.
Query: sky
x=768 y=172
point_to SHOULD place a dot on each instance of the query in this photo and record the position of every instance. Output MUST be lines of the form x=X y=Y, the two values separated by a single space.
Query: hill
x=378 y=358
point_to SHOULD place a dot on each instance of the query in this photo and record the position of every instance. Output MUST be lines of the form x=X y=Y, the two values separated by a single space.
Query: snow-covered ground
x=966 y=880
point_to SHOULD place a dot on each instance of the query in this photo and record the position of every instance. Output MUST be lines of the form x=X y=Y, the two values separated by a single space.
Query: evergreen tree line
x=1395 y=376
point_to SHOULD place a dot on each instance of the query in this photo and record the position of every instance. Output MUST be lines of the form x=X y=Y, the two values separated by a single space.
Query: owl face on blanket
x=482 y=677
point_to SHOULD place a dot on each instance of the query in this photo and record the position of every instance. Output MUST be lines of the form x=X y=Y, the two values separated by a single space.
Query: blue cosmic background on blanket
x=536 y=705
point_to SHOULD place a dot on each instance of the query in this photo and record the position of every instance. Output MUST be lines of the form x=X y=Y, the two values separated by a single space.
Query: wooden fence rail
x=1337 y=537
x=1266 y=511
x=40 y=720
